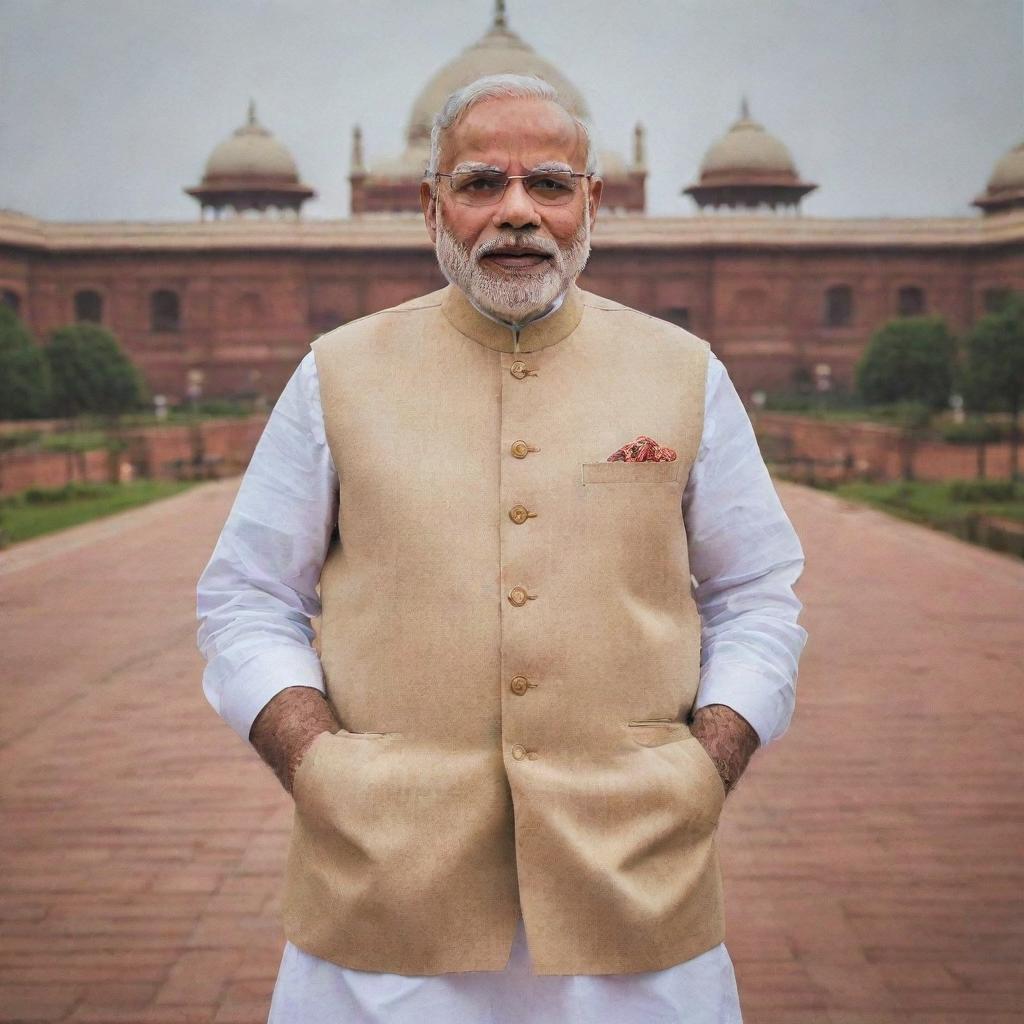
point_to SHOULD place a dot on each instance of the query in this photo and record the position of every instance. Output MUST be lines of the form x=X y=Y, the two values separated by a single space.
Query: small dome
x=748 y=147
x=251 y=152
x=499 y=52
x=1005 y=189
x=1008 y=174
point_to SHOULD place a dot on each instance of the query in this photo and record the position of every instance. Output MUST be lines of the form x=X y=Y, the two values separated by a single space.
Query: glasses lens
x=478 y=188
x=552 y=188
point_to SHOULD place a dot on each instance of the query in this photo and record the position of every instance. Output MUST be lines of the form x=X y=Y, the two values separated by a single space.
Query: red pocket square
x=642 y=449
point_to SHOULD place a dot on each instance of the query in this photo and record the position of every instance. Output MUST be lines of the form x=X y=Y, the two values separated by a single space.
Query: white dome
x=747 y=147
x=501 y=51
x=1008 y=174
x=251 y=152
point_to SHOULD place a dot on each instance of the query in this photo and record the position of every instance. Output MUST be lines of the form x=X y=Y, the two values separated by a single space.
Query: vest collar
x=502 y=337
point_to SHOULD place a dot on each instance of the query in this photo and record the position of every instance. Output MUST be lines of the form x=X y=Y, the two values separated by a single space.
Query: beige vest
x=510 y=642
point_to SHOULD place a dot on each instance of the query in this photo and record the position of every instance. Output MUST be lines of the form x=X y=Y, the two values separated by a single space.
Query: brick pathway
x=872 y=857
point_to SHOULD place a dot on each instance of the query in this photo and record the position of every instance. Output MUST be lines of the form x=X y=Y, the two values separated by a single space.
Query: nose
x=516 y=209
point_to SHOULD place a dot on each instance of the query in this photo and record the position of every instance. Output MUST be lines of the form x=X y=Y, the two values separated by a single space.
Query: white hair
x=493 y=87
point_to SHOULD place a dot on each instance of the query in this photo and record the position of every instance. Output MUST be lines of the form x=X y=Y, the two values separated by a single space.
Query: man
x=510 y=754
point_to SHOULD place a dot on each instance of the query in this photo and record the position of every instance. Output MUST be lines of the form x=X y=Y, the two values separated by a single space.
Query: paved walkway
x=872 y=857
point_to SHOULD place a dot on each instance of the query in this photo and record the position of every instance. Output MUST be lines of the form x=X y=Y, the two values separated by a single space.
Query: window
x=839 y=306
x=164 y=311
x=678 y=315
x=12 y=300
x=325 y=320
x=910 y=301
x=88 y=307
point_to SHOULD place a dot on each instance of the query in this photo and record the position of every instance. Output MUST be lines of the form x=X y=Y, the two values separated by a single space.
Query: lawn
x=37 y=512
x=969 y=509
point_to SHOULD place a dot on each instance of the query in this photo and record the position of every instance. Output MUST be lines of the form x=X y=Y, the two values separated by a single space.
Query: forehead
x=513 y=130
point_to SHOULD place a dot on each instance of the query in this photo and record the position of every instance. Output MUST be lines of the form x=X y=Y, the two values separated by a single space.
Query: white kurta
x=255 y=600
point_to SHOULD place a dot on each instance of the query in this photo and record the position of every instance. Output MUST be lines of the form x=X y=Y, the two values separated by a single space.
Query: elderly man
x=557 y=619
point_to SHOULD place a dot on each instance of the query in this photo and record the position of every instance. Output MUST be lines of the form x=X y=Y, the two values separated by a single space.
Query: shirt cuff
x=255 y=683
x=766 y=705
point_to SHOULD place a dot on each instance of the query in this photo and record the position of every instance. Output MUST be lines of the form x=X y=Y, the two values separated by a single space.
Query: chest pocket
x=631 y=472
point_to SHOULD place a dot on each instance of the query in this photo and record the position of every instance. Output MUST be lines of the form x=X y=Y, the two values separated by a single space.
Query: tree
x=91 y=373
x=993 y=373
x=908 y=360
x=25 y=386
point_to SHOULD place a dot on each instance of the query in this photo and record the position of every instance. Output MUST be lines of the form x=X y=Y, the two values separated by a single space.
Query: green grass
x=963 y=508
x=37 y=512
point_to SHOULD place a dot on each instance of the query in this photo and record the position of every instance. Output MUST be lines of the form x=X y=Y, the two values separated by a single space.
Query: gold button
x=520 y=513
x=518 y=596
x=519 y=449
x=518 y=751
x=520 y=684
x=518 y=369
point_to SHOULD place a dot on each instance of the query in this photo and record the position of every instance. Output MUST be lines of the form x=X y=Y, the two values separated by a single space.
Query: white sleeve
x=745 y=557
x=258 y=593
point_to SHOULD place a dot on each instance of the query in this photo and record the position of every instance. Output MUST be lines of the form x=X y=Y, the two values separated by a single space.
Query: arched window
x=12 y=300
x=678 y=315
x=839 y=306
x=164 y=311
x=910 y=301
x=88 y=307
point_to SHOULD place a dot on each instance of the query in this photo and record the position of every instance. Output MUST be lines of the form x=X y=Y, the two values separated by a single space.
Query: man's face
x=515 y=257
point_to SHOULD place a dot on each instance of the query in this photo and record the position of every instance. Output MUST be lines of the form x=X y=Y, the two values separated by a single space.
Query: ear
x=428 y=203
x=594 y=198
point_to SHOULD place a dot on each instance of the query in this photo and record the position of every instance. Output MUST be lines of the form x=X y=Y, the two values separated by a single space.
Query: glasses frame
x=513 y=177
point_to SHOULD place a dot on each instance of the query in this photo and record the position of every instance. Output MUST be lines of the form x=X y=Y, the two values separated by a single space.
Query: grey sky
x=894 y=107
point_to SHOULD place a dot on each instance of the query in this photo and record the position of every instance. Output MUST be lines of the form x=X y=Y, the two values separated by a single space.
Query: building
x=230 y=303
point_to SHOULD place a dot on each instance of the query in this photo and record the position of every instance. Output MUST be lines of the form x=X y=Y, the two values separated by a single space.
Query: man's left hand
x=728 y=738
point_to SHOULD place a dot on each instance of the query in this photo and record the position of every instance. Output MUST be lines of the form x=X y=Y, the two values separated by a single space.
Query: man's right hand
x=286 y=727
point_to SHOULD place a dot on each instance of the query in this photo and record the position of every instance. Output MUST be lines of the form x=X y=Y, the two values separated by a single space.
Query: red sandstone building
x=234 y=299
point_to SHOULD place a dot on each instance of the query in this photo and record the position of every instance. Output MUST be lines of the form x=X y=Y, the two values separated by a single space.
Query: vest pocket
x=631 y=472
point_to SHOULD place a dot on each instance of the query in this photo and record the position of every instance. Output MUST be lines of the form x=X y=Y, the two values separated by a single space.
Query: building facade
x=230 y=303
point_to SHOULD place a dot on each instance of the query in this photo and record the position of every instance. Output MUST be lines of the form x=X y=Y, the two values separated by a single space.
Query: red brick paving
x=872 y=857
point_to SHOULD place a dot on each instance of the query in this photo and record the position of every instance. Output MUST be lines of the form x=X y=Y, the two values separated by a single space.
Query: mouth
x=516 y=258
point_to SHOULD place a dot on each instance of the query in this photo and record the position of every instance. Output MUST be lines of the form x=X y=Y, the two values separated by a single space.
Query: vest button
x=520 y=513
x=520 y=449
x=518 y=596
x=518 y=369
x=519 y=685
x=518 y=751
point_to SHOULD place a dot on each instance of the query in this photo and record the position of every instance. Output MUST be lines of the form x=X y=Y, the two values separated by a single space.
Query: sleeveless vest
x=510 y=642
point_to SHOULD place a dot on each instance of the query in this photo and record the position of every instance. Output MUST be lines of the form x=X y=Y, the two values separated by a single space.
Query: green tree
x=908 y=360
x=24 y=372
x=993 y=371
x=91 y=373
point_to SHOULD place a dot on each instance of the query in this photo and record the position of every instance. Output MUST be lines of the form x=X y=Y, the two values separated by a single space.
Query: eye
x=478 y=182
x=551 y=184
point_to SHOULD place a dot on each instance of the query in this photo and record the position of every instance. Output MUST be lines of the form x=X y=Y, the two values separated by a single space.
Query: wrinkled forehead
x=525 y=132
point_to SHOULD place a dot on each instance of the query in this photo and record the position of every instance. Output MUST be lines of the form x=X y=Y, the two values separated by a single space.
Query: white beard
x=514 y=299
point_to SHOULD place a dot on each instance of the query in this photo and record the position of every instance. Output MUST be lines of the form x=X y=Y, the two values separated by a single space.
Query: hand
x=286 y=727
x=728 y=738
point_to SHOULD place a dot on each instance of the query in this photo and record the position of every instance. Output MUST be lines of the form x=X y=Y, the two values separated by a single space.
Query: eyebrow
x=553 y=165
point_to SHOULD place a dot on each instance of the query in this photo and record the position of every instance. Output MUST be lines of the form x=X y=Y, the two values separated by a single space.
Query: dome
x=1008 y=174
x=748 y=169
x=747 y=147
x=1006 y=185
x=251 y=152
x=250 y=172
x=500 y=51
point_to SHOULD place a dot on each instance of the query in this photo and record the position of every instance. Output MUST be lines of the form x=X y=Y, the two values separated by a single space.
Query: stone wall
x=833 y=450
x=210 y=448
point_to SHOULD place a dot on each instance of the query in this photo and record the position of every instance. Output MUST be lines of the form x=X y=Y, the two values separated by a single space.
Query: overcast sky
x=894 y=107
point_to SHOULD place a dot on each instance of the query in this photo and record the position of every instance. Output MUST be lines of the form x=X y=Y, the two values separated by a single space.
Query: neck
x=517 y=325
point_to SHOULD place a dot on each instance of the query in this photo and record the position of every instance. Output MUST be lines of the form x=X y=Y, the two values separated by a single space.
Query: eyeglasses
x=485 y=188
